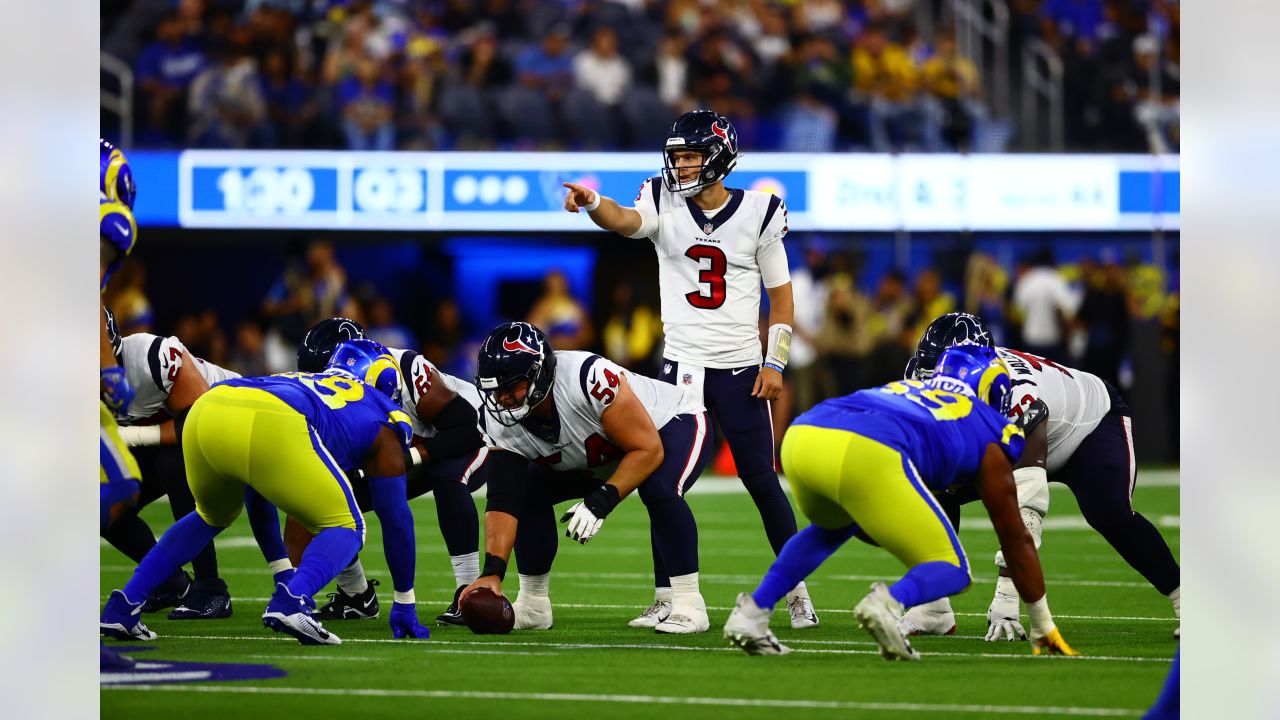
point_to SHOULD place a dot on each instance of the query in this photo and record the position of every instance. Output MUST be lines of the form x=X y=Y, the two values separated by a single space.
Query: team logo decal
x=688 y=378
x=708 y=228
x=518 y=345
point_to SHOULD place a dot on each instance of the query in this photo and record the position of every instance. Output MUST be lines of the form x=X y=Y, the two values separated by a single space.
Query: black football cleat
x=453 y=616
x=206 y=601
x=170 y=593
x=341 y=606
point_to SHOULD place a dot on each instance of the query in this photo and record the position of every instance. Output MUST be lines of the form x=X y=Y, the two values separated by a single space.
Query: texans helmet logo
x=723 y=134
x=518 y=345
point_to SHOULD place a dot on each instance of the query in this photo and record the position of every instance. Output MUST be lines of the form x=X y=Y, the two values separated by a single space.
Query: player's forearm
x=634 y=468
x=615 y=218
x=782 y=309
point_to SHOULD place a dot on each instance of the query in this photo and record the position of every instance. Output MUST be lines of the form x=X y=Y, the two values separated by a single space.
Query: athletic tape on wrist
x=593 y=205
x=1041 y=619
x=405 y=598
x=779 y=353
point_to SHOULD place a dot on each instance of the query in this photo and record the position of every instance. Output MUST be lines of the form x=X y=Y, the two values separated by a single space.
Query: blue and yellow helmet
x=369 y=361
x=116 y=226
x=115 y=179
x=982 y=370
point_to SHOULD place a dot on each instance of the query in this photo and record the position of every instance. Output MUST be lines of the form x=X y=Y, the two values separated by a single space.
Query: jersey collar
x=709 y=226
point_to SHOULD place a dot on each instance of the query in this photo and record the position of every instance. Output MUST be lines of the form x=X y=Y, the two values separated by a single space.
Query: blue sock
x=1168 y=703
x=181 y=542
x=265 y=521
x=801 y=555
x=929 y=581
x=330 y=552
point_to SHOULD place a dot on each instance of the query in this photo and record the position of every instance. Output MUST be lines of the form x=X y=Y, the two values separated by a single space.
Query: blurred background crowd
x=797 y=75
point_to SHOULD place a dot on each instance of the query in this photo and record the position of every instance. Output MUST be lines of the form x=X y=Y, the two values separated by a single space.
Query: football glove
x=1052 y=644
x=116 y=391
x=586 y=518
x=404 y=622
x=1003 y=615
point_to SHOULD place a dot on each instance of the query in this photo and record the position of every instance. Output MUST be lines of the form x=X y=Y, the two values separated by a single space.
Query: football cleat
x=341 y=606
x=170 y=593
x=881 y=615
x=748 y=628
x=453 y=616
x=122 y=619
x=291 y=614
x=656 y=613
x=206 y=601
x=801 y=609
x=685 y=619
x=533 y=612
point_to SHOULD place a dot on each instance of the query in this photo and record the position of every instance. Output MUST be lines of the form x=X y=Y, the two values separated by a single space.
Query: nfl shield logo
x=688 y=378
x=707 y=228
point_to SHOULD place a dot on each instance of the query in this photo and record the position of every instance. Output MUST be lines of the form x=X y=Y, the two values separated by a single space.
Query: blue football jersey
x=939 y=425
x=346 y=413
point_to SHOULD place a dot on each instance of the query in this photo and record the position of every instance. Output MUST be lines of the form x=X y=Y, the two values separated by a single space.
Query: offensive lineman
x=1086 y=443
x=563 y=423
x=715 y=246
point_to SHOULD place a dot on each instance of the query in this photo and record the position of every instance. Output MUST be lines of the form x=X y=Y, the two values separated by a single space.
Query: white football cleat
x=881 y=615
x=533 y=612
x=801 y=609
x=922 y=620
x=686 y=618
x=656 y=613
x=748 y=628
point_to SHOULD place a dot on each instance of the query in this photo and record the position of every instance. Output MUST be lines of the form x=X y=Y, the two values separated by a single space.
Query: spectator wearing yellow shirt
x=953 y=93
x=886 y=82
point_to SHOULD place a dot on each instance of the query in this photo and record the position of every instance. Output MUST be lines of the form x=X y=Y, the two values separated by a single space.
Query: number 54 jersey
x=1077 y=400
x=710 y=268
x=939 y=425
x=585 y=385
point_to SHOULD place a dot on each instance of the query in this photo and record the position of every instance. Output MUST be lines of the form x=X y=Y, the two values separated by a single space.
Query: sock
x=662 y=594
x=773 y=506
x=660 y=577
x=929 y=581
x=179 y=544
x=802 y=554
x=466 y=568
x=536 y=585
x=1175 y=597
x=331 y=549
x=459 y=524
x=352 y=581
x=684 y=590
x=169 y=466
x=799 y=591
x=1142 y=546
x=264 y=519
x=132 y=536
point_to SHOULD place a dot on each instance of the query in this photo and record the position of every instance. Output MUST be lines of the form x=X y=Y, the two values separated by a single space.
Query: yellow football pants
x=238 y=436
x=839 y=477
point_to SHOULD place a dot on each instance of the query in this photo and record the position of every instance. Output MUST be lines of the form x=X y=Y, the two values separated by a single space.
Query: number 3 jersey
x=1077 y=400
x=710 y=267
x=345 y=414
x=938 y=424
x=585 y=385
x=152 y=363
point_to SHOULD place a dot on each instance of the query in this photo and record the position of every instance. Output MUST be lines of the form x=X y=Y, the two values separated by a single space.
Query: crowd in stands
x=811 y=75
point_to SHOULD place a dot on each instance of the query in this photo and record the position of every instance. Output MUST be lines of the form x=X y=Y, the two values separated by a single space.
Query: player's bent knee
x=219 y=519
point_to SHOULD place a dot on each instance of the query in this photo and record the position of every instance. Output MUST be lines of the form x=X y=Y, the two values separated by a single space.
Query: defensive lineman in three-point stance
x=715 y=246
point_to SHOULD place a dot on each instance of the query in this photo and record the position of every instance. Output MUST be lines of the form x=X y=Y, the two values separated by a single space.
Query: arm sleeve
x=647 y=205
x=398 y=541
x=771 y=255
x=456 y=431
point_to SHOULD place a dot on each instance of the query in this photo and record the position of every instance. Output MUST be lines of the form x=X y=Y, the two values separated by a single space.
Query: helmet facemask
x=537 y=391
x=707 y=175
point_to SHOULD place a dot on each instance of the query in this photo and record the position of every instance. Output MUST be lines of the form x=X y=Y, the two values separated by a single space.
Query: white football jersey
x=584 y=387
x=1077 y=400
x=151 y=363
x=710 y=268
x=418 y=375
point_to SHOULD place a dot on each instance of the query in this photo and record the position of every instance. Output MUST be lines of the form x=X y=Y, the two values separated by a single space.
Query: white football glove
x=1002 y=616
x=583 y=524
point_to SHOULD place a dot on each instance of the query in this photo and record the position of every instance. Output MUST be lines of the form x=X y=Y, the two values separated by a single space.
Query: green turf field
x=591 y=663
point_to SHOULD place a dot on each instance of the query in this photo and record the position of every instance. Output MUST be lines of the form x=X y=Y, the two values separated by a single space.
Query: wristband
x=779 y=352
x=494 y=565
x=593 y=205
x=601 y=502
x=1041 y=619
x=415 y=457
x=405 y=598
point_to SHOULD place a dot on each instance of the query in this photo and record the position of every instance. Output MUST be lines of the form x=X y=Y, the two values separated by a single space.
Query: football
x=487 y=613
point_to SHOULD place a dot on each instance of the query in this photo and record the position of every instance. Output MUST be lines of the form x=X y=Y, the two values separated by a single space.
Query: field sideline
x=591 y=662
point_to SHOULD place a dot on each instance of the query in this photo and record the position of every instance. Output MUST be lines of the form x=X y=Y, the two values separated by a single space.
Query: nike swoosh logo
x=740 y=371
x=369 y=602
x=123 y=230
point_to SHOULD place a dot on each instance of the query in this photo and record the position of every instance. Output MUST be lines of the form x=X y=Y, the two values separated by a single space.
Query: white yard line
x=653 y=700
